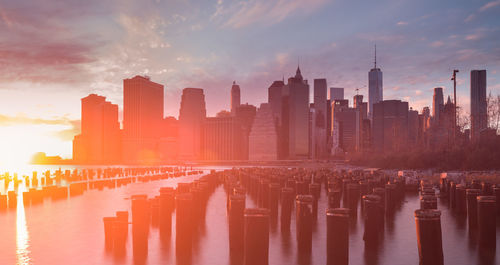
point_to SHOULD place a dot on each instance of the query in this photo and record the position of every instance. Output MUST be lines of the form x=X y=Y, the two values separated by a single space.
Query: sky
x=54 y=52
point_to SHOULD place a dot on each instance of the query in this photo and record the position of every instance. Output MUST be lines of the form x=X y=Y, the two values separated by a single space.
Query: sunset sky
x=52 y=53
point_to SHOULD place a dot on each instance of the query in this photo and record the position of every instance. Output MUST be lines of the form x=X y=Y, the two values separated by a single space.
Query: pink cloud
x=267 y=12
x=489 y=5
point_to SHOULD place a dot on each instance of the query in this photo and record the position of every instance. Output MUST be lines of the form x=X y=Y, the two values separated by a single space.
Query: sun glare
x=22 y=236
x=20 y=142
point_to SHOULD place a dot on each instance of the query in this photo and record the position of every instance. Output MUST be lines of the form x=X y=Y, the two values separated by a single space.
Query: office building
x=263 y=139
x=437 y=104
x=142 y=119
x=297 y=92
x=99 y=141
x=192 y=113
x=235 y=97
x=320 y=113
x=222 y=139
x=390 y=126
x=336 y=93
x=375 y=86
x=478 y=105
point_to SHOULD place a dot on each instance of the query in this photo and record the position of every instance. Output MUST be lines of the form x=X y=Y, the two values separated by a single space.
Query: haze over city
x=54 y=53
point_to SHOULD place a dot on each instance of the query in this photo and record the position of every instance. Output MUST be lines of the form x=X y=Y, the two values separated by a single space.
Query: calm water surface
x=71 y=232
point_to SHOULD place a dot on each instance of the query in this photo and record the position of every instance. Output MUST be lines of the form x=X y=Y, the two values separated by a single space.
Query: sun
x=19 y=142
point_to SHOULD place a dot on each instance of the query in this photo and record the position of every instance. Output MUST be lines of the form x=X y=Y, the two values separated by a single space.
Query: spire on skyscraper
x=298 y=75
x=375 y=56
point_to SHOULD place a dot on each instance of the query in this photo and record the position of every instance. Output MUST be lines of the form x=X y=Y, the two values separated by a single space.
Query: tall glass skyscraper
x=375 y=86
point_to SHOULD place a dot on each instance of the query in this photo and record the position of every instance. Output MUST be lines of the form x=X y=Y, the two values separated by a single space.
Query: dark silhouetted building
x=235 y=97
x=349 y=130
x=390 y=126
x=99 y=141
x=142 y=119
x=319 y=131
x=278 y=102
x=297 y=93
x=413 y=127
x=437 y=104
x=336 y=93
x=478 y=106
x=245 y=114
x=364 y=125
x=192 y=114
x=337 y=106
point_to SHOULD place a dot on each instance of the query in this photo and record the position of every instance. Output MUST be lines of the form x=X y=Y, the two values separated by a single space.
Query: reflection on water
x=71 y=232
x=22 y=235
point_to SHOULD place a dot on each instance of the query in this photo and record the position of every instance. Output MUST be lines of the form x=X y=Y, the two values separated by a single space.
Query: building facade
x=297 y=90
x=478 y=105
x=99 y=141
x=263 y=139
x=320 y=123
x=142 y=119
x=390 y=126
x=192 y=114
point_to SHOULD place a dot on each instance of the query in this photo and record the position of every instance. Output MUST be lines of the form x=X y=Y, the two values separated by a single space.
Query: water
x=71 y=232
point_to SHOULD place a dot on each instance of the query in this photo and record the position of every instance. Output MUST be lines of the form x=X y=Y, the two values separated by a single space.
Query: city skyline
x=413 y=53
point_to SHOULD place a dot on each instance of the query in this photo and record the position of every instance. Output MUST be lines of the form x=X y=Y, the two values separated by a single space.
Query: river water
x=71 y=232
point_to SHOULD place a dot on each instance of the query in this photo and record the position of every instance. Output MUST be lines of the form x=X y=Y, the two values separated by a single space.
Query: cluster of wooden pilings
x=278 y=192
x=284 y=196
x=188 y=201
x=478 y=203
x=70 y=184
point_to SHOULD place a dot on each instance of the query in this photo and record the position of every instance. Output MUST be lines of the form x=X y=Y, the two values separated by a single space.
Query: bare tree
x=493 y=111
x=463 y=119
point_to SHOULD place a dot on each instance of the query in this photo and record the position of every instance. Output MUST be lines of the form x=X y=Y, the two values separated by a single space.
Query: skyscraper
x=320 y=93
x=245 y=114
x=192 y=113
x=375 y=86
x=390 y=125
x=297 y=90
x=99 y=141
x=361 y=106
x=235 y=97
x=278 y=102
x=478 y=105
x=275 y=98
x=349 y=130
x=413 y=127
x=142 y=119
x=263 y=142
x=222 y=139
x=437 y=103
x=336 y=93
x=364 y=126
x=169 y=141
x=336 y=106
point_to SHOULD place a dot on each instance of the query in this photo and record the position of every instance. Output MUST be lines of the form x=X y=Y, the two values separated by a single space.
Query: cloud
x=472 y=37
x=489 y=5
x=437 y=44
x=483 y=8
x=69 y=134
x=402 y=23
x=6 y=120
x=469 y=18
x=49 y=45
x=239 y=14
